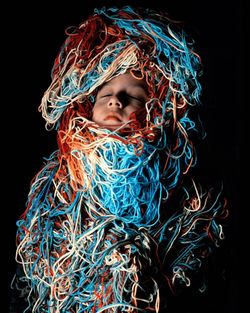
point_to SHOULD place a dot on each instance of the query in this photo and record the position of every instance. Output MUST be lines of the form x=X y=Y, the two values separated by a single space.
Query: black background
x=30 y=41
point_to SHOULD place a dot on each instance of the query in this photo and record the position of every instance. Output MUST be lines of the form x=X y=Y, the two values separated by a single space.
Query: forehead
x=125 y=80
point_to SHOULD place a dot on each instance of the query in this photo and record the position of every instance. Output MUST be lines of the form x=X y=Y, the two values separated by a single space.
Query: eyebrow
x=140 y=85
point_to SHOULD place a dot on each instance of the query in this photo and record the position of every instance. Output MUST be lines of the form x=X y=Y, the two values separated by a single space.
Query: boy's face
x=117 y=99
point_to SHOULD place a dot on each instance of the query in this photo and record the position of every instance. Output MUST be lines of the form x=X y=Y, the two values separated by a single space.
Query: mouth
x=113 y=117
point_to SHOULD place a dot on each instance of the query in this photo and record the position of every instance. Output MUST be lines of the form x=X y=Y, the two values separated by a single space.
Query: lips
x=113 y=117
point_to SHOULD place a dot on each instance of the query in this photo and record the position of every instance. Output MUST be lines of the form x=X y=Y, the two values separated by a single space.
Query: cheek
x=97 y=113
x=131 y=110
x=94 y=113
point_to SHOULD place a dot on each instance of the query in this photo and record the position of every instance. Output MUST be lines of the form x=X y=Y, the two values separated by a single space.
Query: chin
x=114 y=126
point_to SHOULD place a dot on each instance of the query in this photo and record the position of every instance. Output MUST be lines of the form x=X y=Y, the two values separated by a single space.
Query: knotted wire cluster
x=101 y=232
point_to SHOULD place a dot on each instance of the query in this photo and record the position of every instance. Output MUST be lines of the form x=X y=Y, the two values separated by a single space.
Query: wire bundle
x=100 y=231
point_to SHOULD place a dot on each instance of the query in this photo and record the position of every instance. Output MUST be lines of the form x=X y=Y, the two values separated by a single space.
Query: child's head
x=117 y=99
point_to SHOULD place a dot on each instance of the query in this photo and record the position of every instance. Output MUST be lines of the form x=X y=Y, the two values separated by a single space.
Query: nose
x=115 y=102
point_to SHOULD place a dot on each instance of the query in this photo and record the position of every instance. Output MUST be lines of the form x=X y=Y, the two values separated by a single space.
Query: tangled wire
x=109 y=220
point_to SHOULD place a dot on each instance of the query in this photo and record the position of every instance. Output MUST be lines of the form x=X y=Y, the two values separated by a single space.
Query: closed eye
x=136 y=98
x=105 y=96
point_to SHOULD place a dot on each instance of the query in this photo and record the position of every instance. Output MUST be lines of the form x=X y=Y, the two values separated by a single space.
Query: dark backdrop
x=31 y=39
